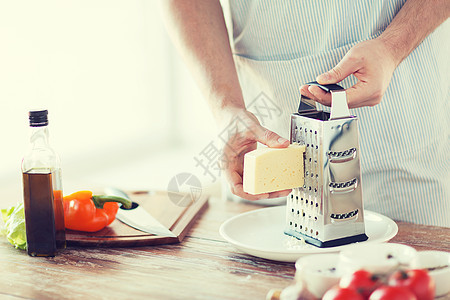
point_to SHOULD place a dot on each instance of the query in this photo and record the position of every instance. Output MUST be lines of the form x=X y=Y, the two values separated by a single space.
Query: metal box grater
x=328 y=210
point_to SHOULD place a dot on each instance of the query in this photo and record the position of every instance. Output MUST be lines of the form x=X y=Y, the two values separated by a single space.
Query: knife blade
x=137 y=217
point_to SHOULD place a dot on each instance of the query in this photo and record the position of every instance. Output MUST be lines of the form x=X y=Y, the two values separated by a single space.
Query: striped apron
x=404 y=141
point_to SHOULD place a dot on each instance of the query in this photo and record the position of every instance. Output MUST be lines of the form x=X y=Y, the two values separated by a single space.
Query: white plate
x=260 y=233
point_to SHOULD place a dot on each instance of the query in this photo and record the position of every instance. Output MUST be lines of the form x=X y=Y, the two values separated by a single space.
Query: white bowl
x=318 y=272
x=376 y=257
x=438 y=265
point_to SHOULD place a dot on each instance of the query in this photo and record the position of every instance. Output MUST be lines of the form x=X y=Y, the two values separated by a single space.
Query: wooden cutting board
x=178 y=218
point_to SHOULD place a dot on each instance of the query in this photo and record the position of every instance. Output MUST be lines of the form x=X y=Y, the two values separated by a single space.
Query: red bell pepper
x=85 y=212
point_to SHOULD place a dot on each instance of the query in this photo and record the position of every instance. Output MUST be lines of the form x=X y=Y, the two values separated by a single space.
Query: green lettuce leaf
x=14 y=229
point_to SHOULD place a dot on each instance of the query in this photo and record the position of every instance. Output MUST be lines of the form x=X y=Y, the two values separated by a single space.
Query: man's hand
x=374 y=61
x=198 y=29
x=244 y=131
x=370 y=62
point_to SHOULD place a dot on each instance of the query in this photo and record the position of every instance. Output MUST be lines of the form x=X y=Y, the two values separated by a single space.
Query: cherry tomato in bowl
x=339 y=293
x=418 y=281
x=362 y=281
x=385 y=292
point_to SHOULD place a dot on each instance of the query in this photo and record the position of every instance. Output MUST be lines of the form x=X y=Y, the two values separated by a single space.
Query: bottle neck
x=39 y=137
x=40 y=158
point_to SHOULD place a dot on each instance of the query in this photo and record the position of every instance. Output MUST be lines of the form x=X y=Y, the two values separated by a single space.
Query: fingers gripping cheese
x=273 y=169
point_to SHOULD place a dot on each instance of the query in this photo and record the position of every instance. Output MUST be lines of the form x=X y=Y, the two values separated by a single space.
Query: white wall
x=116 y=92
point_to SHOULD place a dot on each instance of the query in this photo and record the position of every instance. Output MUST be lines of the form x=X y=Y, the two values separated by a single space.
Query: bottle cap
x=38 y=118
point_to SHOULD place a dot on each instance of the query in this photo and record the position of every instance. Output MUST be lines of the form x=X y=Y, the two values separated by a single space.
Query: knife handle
x=133 y=206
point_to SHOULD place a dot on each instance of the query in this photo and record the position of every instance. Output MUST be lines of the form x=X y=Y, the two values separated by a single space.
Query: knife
x=137 y=217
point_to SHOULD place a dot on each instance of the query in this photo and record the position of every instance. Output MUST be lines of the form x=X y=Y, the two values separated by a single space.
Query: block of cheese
x=273 y=169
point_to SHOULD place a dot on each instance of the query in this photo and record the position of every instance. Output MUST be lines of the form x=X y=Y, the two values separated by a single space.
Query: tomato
x=362 y=281
x=385 y=292
x=339 y=293
x=417 y=281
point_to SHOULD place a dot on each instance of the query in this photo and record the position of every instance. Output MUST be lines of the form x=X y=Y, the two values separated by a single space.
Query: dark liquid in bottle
x=39 y=214
x=60 y=227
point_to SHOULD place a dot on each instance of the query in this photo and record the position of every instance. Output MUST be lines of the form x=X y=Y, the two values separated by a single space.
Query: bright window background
x=123 y=109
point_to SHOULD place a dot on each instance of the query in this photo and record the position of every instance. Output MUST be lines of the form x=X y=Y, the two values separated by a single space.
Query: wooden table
x=203 y=266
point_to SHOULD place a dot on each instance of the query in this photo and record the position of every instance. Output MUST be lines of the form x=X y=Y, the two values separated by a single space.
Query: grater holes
x=292 y=210
x=342 y=156
x=301 y=226
x=311 y=231
x=345 y=215
x=342 y=184
x=290 y=223
x=295 y=225
x=315 y=218
x=317 y=233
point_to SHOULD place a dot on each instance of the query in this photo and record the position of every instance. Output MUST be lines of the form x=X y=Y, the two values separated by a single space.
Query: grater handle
x=326 y=87
x=339 y=106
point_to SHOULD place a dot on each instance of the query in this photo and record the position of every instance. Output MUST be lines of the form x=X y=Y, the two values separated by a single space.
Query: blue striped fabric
x=279 y=45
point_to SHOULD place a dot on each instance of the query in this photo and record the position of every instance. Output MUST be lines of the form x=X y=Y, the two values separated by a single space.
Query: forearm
x=199 y=32
x=413 y=23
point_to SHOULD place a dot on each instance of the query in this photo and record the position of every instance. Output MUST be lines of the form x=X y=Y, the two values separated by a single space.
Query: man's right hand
x=199 y=31
x=243 y=131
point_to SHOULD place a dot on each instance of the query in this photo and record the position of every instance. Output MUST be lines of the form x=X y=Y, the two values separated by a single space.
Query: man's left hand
x=371 y=63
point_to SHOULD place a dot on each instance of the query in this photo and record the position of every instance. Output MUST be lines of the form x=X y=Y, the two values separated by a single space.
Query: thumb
x=342 y=70
x=270 y=138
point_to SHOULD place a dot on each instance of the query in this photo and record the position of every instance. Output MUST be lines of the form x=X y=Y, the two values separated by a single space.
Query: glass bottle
x=44 y=212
